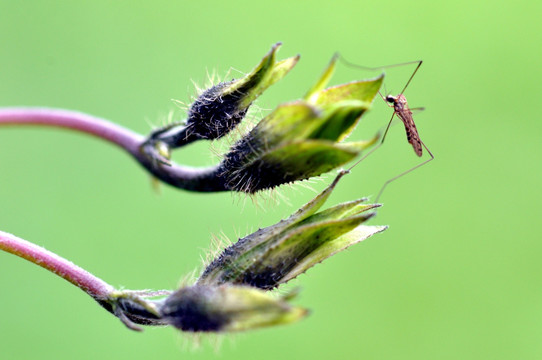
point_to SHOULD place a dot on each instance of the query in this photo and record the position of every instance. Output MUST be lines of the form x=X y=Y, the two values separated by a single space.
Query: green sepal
x=330 y=248
x=363 y=90
x=273 y=255
x=304 y=159
x=265 y=74
x=313 y=94
x=303 y=248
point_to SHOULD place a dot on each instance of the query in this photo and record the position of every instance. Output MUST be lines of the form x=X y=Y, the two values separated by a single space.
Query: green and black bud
x=202 y=308
x=215 y=113
x=219 y=109
x=274 y=255
x=301 y=139
x=232 y=292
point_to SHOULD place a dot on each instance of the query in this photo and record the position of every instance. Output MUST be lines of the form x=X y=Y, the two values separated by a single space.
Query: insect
x=402 y=110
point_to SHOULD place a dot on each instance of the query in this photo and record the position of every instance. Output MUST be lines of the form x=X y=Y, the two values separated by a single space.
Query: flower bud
x=219 y=109
x=301 y=139
x=276 y=254
x=226 y=308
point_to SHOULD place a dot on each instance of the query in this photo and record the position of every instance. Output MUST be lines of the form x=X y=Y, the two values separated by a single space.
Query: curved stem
x=93 y=286
x=194 y=179
x=131 y=307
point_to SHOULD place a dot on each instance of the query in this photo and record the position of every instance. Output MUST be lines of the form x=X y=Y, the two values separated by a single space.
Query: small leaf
x=288 y=122
x=330 y=248
x=315 y=204
x=288 y=163
x=265 y=74
x=340 y=120
x=275 y=264
x=341 y=211
x=364 y=90
x=313 y=94
x=301 y=160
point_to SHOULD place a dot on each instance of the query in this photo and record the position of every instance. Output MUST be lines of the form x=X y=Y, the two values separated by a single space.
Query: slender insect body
x=400 y=106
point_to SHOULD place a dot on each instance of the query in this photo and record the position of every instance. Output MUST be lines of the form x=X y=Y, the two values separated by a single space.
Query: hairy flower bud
x=219 y=109
x=276 y=254
x=301 y=139
x=231 y=293
x=226 y=308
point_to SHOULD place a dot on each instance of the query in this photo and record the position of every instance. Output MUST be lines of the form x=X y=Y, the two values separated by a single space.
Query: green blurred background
x=456 y=276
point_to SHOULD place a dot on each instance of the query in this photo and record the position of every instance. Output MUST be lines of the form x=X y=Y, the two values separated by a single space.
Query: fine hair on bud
x=188 y=309
x=244 y=171
x=215 y=113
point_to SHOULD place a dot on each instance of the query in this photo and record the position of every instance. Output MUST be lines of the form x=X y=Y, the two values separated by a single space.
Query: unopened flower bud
x=276 y=254
x=301 y=139
x=226 y=308
x=219 y=109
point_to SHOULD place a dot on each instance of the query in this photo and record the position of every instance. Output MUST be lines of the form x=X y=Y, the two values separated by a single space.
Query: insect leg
x=377 y=146
x=405 y=172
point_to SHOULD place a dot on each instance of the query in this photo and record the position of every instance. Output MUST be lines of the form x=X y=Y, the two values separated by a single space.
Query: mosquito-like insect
x=403 y=111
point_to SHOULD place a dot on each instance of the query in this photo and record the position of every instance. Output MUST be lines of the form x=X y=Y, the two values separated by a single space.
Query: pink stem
x=127 y=139
x=93 y=286
x=195 y=179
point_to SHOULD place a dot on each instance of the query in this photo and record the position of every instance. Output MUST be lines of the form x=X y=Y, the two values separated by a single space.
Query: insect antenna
x=413 y=73
x=377 y=146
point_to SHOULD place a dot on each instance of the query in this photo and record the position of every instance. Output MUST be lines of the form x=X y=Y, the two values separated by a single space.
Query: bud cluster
x=297 y=140
x=232 y=292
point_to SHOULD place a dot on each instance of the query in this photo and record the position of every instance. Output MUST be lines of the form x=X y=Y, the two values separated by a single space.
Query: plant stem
x=93 y=286
x=194 y=179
